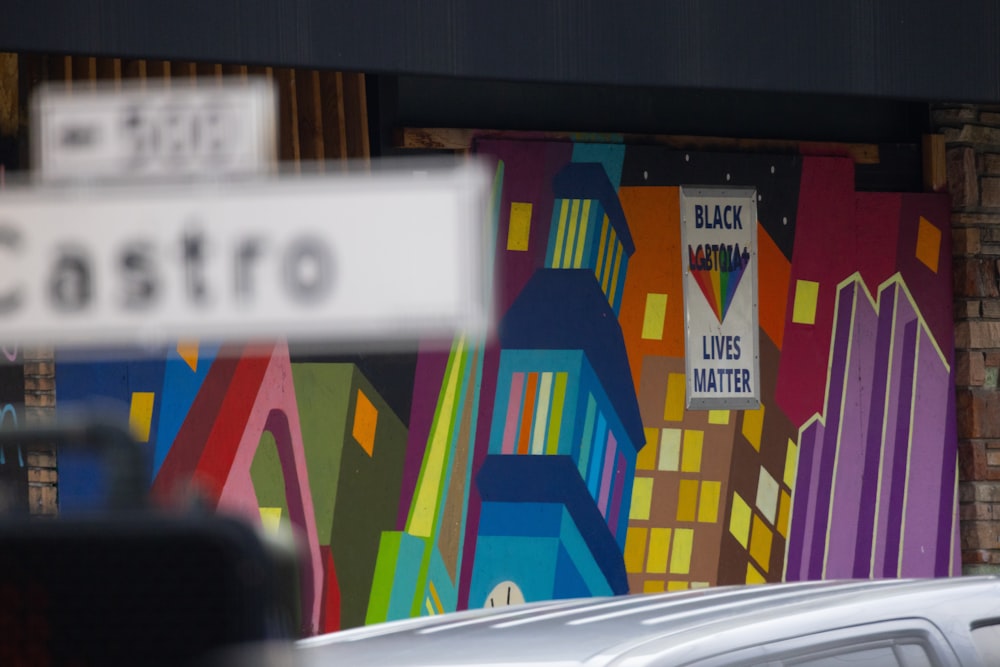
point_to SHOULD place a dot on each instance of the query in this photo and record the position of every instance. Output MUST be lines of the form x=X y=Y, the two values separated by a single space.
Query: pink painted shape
x=826 y=251
x=275 y=410
x=11 y=355
x=513 y=410
x=606 y=475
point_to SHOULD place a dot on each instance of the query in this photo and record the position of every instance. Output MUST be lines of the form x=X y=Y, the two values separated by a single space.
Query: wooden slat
x=309 y=117
x=332 y=105
x=10 y=99
x=288 y=142
x=356 y=116
x=461 y=139
x=935 y=163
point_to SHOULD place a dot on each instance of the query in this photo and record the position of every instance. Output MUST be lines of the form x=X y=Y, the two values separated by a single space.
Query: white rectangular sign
x=349 y=258
x=719 y=242
x=220 y=128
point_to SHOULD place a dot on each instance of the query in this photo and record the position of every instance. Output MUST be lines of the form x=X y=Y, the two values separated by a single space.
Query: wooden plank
x=309 y=117
x=334 y=121
x=461 y=139
x=356 y=116
x=935 y=163
x=10 y=116
x=288 y=133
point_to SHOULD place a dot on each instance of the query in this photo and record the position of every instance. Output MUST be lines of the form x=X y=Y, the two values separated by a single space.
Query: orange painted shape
x=365 y=419
x=774 y=272
x=527 y=410
x=653 y=215
x=188 y=351
x=928 y=244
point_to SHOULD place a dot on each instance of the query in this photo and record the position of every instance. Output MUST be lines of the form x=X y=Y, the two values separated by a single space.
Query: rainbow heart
x=718 y=270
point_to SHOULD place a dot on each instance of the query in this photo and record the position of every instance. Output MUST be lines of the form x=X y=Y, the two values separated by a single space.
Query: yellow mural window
x=680 y=554
x=791 y=461
x=659 y=548
x=784 y=512
x=699 y=584
x=653 y=586
x=635 y=549
x=760 y=543
x=753 y=426
x=654 y=317
x=677 y=585
x=691 y=460
x=687 y=500
x=270 y=519
x=642 y=498
x=646 y=458
x=739 y=520
x=754 y=576
x=365 y=418
x=708 y=505
x=718 y=417
x=767 y=495
x=519 y=229
x=557 y=249
x=673 y=407
x=670 y=449
x=140 y=416
x=804 y=309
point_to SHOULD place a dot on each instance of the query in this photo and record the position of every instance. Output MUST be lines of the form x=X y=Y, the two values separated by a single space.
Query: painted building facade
x=558 y=458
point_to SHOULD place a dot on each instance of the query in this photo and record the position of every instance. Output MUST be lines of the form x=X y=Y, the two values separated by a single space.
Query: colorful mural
x=558 y=459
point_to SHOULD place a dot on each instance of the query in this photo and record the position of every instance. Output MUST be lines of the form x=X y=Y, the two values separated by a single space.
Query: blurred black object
x=133 y=585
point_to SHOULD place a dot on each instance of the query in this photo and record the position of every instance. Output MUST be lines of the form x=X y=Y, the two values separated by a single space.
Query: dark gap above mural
x=559 y=459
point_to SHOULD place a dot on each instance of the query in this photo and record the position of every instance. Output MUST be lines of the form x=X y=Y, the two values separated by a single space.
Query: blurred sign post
x=155 y=215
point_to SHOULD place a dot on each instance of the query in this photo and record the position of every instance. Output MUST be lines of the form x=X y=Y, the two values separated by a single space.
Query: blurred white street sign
x=221 y=127
x=367 y=258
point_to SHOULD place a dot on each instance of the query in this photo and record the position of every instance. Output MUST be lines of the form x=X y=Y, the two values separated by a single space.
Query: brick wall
x=39 y=408
x=972 y=144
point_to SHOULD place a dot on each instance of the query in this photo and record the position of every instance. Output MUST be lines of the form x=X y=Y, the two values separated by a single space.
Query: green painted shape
x=323 y=395
x=368 y=489
x=397 y=574
x=268 y=477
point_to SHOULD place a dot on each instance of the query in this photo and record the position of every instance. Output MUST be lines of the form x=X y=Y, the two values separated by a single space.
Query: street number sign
x=224 y=127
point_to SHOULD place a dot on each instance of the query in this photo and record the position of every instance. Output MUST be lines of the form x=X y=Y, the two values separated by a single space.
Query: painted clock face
x=505 y=594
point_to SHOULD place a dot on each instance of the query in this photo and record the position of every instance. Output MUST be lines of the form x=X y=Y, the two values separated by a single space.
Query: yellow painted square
x=365 y=419
x=670 y=449
x=928 y=244
x=635 y=549
x=655 y=316
x=646 y=458
x=653 y=586
x=270 y=519
x=753 y=426
x=680 y=554
x=140 y=415
x=806 y=295
x=739 y=520
x=677 y=585
x=519 y=229
x=687 y=500
x=760 y=543
x=708 y=505
x=673 y=407
x=659 y=549
x=718 y=417
x=754 y=576
x=691 y=458
x=699 y=584
x=791 y=461
x=784 y=511
x=642 y=498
